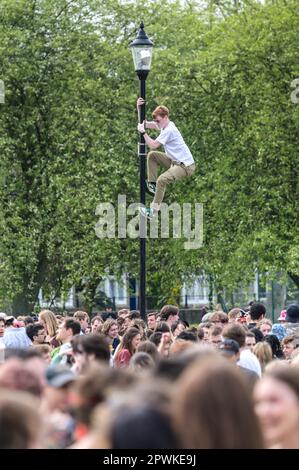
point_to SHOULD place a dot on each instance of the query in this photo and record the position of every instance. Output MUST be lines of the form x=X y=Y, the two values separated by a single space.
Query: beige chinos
x=175 y=171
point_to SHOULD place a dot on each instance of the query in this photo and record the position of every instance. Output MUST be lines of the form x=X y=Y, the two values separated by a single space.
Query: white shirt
x=250 y=361
x=174 y=144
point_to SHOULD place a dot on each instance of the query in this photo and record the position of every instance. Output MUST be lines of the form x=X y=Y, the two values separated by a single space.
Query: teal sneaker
x=151 y=187
x=147 y=212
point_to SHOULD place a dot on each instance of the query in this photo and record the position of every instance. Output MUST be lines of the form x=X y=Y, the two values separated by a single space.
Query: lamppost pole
x=142 y=54
x=142 y=175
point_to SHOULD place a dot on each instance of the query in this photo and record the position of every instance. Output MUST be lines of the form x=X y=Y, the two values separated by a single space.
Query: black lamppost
x=142 y=49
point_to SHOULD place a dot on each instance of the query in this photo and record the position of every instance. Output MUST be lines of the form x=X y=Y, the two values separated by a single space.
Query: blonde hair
x=50 y=320
x=263 y=352
x=264 y=321
x=81 y=315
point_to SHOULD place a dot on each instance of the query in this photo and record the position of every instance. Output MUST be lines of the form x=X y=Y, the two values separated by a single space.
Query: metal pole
x=142 y=168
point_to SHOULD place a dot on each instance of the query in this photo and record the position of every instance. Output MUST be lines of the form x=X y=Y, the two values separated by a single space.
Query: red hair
x=160 y=111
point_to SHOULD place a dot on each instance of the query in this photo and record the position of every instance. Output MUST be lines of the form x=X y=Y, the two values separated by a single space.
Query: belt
x=181 y=164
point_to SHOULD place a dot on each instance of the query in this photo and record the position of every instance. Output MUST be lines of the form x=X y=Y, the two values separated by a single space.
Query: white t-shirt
x=174 y=144
x=250 y=361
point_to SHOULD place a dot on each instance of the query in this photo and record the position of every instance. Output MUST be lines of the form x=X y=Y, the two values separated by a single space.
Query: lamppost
x=142 y=49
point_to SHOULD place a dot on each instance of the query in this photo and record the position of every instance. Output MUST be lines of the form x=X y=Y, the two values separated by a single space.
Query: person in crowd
x=169 y=314
x=279 y=331
x=141 y=326
x=28 y=320
x=123 y=312
x=177 y=327
x=135 y=314
x=256 y=313
x=206 y=329
x=66 y=331
x=275 y=345
x=292 y=320
x=276 y=398
x=127 y=348
x=215 y=337
x=142 y=363
x=89 y=349
x=138 y=418
x=36 y=333
x=200 y=334
x=151 y=321
x=212 y=408
x=187 y=335
x=263 y=352
x=21 y=426
x=247 y=360
x=56 y=406
x=15 y=336
x=258 y=334
x=233 y=314
x=219 y=319
x=97 y=324
x=162 y=341
x=282 y=317
x=180 y=345
x=83 y=318
x=289 y=344
x=150 y=348
x=250 y=341
x=50 y=323
x=110 y=330
x=44 y=351
x=18 y=374
x=265 y=326
x=2 y=327
x=91 y=389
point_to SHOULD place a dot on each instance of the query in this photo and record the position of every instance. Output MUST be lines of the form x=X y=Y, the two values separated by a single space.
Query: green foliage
x=68 y=140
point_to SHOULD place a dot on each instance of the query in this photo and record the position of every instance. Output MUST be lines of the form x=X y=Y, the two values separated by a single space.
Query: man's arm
x=151 y=125
x=148 y=124
x=153 y=144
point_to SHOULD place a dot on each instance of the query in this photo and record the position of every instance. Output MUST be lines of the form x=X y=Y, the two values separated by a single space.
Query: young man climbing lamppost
x=177 y=158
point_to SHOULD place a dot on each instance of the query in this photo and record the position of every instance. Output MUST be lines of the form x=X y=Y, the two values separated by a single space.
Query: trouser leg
x=154 y=159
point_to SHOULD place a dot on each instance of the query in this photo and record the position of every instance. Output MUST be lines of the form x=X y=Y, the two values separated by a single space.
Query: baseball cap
x=229 y=347
x=59 y=375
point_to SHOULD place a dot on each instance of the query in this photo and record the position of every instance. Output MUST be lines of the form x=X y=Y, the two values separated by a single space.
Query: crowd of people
x=114 y=381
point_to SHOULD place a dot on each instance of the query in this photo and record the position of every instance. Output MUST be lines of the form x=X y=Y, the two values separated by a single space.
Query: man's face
x=113 y=331
x=62 y=333
x=40 y=337
x=127 y=323
x=173 y=318
x=2 y=328
x=161 y=121
x=250 y=342
x=288 y=349
x=215 y=341
x=266 y=329
x=206 y=335
x=95 y=325
x=151 y=322
x=84 y=323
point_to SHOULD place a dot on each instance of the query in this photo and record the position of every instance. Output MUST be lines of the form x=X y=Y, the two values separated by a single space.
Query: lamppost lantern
x=142 y=50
